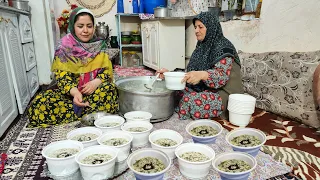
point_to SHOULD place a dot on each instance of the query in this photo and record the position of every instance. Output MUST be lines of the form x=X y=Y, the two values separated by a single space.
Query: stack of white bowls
x=241 y=107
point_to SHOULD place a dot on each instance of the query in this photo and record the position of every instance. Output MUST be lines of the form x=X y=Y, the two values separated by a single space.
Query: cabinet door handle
x=34 y=82
x=31 y=56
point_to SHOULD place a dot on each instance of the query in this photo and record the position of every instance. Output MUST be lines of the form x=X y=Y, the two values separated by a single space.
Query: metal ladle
x=150 y=86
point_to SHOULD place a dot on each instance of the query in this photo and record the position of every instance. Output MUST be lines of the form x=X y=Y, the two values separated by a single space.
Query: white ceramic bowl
x=85 y=130
x=248 y=131
x=204 y=122
x=109 y=119
x=124 y=149
x=173 y=80
x=166 y=133
x=139 y=138
x=138 y=116
x=61 y=166
x=234 y=155
x=101 y=171
x=149 y=152
x=237 y=119
x=194 y=170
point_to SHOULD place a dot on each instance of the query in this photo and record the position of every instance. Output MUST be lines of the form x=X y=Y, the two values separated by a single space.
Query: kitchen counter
x=12 y=9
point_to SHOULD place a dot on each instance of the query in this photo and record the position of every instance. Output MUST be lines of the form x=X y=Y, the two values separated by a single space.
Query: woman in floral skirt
x=83 y=73
x=212 y=73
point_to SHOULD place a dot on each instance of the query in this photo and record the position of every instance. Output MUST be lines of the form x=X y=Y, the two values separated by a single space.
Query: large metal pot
x=161 y=12
x=133 y=96
x=21 y=4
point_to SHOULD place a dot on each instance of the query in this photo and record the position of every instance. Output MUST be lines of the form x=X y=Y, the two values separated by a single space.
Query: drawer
x=29 y=55
x=25 y=29
x=33 y=81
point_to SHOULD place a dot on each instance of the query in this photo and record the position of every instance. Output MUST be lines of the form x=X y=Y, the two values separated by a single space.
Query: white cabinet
x=8 y=107
x=29 y=55
x=163 y=43
x=33 y=81
x=16 y=60
x=25 y=29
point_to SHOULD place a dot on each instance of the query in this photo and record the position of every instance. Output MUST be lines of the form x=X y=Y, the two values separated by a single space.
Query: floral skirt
x=51 y=107
x=198 y=105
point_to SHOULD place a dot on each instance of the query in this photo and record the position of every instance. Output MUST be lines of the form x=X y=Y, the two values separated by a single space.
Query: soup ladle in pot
x=150 y=86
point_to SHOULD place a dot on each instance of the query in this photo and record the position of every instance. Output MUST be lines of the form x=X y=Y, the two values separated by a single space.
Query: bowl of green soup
x=204 y=131
x=247 y=140
x=234 y=165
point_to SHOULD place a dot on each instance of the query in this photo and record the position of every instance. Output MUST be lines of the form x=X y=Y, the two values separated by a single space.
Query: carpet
x=23 y=147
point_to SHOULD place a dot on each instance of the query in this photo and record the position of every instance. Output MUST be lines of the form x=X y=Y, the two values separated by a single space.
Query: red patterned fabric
x=3 y=159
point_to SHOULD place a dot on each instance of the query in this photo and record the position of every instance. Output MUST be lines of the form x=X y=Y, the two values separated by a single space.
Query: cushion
x=282 y=83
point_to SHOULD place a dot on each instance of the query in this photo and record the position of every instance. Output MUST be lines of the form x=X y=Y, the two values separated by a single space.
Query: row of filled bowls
x=148 y=157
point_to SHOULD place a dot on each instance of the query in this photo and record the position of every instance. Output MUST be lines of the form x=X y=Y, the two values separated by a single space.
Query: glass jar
x=126 y=59
x=135 y=58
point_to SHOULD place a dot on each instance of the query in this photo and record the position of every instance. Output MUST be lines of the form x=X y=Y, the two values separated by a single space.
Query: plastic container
x=254 y=150
x=120 y=8
x=194 y=170
x=138 y=116
x=139 y=138
x=62 y=166
x=234 y=155
x=104 y=170
x=150 y=4
x=148 y=152
x=124 y=149
x=85 y=130
x=173 y=80
x=204 y=122
x=141 y=6
x=109 y=119
x=166 y=133
x=135 y=6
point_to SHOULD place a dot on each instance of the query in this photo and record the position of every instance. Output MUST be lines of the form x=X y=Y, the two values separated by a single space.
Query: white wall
x=290 y=25
x=108 y=18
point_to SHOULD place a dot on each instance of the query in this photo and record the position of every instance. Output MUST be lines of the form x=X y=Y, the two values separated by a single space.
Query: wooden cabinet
x=8 y=106
x=163 y=43
x=16 y=60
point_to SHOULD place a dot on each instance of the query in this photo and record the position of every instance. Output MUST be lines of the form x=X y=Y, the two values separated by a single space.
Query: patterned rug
x=288 y=142
x=23 y=147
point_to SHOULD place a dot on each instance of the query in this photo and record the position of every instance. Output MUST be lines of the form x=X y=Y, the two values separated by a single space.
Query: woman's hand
x=194 y=77
x=161 y=71
x=77 y=97
x=91 y=86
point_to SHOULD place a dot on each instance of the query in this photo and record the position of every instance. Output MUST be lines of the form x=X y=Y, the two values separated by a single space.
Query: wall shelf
x=132 y=45
x=125 y=16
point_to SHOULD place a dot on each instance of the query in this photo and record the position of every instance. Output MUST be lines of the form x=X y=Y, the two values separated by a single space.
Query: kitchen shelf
x=118 y=21
x=132 y=45
x=127 y=14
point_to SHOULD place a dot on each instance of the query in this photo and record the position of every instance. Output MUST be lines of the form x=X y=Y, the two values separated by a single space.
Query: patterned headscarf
x=72 y=21
x=74 y=56
x=213 y=48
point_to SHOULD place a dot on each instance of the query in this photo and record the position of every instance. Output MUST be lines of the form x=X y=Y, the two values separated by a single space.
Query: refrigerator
x=45 y=33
